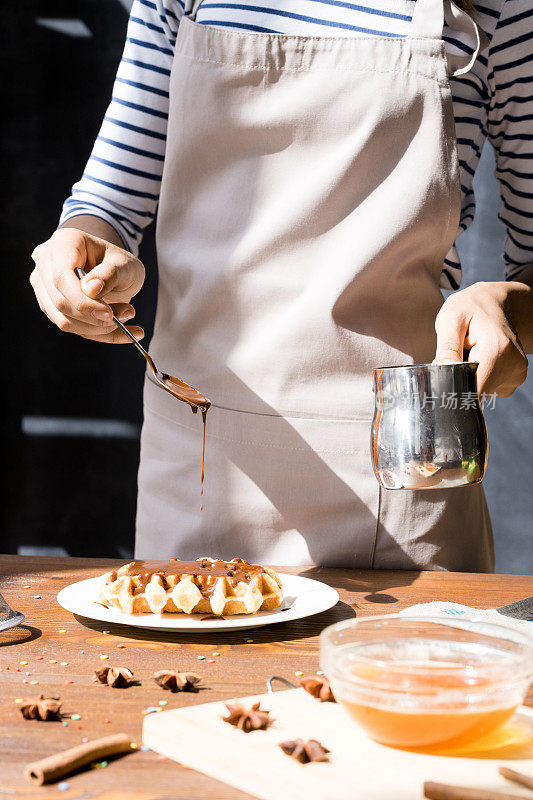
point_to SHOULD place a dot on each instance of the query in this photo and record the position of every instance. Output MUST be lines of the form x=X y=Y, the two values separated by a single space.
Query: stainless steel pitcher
x=428 y=430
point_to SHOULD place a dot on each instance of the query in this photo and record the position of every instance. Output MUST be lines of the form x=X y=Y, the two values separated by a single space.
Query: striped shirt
x=122 y=178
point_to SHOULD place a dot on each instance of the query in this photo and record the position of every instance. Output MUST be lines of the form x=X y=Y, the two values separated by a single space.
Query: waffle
x=204 y=586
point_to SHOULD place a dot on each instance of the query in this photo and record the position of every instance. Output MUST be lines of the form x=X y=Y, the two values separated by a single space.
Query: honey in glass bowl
x=421 y=682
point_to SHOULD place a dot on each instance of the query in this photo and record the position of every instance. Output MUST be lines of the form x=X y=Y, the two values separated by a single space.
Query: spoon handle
x=81 y=274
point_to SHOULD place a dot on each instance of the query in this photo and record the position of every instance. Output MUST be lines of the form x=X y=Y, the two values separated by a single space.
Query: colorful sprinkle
x=144 y=747
x=105 y=631
x=75 y=716
x=23 y=663
x=84 y=739
x=62 y=630
x=64 y=724
x=107 y=721
x=248 y=641
x=121 y=646
x=134 y=745
x=18 y=700
x=215 y=655
x=34 y=683
x=163 y=702
x=24 y=680
x=17 y=669
x=67 y=683
x=63 y=786
x=211 y=661
x=26 y=587
x=83 y=652
x=201 y=658
x=298 y=674
x=319 y=672
x=52 y=661
x=37 y=597
x=104 y=657
x=27 y=673
x=64 y=664
x=39 y=658
x=78 y=727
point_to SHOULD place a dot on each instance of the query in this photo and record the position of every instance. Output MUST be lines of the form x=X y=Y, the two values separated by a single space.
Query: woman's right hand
x=85 y=307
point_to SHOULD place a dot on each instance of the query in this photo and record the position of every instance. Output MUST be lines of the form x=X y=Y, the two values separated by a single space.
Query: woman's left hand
x=476 y=319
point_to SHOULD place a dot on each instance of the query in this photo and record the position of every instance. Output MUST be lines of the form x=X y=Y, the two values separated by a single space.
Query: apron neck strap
x=428 y=21
x=194 y=9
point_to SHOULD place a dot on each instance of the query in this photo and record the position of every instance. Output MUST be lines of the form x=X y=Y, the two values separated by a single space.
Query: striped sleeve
x=121 y=180
x=510 y=128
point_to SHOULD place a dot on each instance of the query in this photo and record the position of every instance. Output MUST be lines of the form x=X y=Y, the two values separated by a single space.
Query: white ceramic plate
x=302 y=597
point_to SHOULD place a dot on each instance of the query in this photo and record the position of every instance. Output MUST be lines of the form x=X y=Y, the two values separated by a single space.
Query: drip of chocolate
x=188 y=394
x=204 y=417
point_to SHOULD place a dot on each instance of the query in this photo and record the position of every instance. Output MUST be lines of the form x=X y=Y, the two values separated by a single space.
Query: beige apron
x=310 y=194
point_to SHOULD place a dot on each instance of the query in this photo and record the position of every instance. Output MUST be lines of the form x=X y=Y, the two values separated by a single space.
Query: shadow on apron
x=292 y=491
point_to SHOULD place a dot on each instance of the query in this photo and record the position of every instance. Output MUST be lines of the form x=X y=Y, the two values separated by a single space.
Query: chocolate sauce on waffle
x=205 y=572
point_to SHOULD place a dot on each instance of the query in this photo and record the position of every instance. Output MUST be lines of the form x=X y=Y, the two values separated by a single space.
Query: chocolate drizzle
x=204 y=571
x=188 y=394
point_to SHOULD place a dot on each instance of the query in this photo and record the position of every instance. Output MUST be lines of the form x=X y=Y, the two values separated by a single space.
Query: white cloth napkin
x=449 y=610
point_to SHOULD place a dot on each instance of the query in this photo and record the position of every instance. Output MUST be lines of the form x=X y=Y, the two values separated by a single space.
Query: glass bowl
x=424 y=682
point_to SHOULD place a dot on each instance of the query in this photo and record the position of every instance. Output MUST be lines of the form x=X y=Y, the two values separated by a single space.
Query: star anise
x=44 y=708
x=118 y=677
x=177 y=681
x=319 y=687
x=305 y=751
x=248 y=719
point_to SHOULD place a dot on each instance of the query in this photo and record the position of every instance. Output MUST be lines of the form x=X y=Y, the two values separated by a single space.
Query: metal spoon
x=174 y=386
x=522 y=609
x=8 y=617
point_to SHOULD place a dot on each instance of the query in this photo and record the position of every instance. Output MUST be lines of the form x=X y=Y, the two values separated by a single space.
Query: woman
x=313 y=184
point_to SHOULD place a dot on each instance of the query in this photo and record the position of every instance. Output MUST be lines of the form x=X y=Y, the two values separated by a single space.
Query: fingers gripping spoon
x=174 y=386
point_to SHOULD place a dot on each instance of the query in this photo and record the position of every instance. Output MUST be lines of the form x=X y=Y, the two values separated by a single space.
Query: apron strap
x=428 y=21
x=194 y=9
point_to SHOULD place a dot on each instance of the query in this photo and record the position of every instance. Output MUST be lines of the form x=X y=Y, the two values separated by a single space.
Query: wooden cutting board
x=358 y=768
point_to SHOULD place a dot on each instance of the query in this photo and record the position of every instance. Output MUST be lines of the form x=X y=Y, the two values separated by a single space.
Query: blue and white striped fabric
x=121 y=181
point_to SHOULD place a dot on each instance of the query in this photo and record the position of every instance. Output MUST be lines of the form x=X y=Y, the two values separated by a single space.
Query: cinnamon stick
x=517 y=777
x=443 y=791
x=57 y=766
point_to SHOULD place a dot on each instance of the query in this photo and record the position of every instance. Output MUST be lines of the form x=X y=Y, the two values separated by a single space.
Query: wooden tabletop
x=241 y=669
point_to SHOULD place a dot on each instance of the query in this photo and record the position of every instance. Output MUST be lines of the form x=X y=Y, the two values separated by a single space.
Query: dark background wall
x=71 y=426
x=72 y=408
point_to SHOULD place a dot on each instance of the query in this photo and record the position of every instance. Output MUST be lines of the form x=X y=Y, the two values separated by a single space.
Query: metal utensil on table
x=428 y=429
x=521 y=609
x=174 y=386
x=8 y=617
